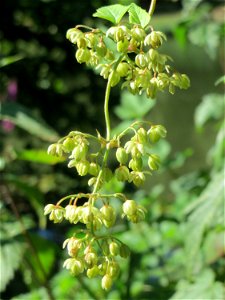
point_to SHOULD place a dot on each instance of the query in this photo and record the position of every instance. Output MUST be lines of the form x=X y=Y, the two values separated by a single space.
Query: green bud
x=93 y=272
x=92 y=181
x=114 y=248
x=122 y=46
x=101 y=49
x=79 y=152
x=142 y=135
x=82 y=167
x=138 y=33
x=154 y=39
x=49 y=208
x=56 y=213
x=138 y=178
x=73 y=35
x=157 y=132
x=94 y=169
x=113 y=269
x=153 y=55
x=140 y=60
x=106 y=282
x=123 y=69
x=136 y=164
x=52 y=149
x=105 y=71
x=122 y=173
x=91 y=258
x=75 y=265
x=129 y=207
x=108 y=213
x=90 y=39
x=153 y=162
x=69 y=144
x=83 y=55
x=121 y=155
x=71 y=213
x=81 y=42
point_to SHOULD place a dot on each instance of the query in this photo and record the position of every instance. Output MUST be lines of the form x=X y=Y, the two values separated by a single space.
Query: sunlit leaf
x=220 y=80
x=5 y=61
x=203 y=214
x=23 y=118
x=137 y=15
x=204 y=287
x=133 y=107
x=112 y=13
x=38 y=156
x=211 y=107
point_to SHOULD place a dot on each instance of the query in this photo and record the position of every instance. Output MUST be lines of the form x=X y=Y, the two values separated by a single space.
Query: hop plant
x=134 y=60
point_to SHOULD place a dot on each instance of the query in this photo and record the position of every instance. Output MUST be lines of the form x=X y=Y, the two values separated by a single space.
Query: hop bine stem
x=152 y=7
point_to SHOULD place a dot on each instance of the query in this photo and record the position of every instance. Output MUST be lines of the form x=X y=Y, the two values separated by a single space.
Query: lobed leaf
x=112 y=13
x=137 y=15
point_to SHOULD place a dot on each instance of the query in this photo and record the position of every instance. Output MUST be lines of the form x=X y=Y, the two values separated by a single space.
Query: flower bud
x=136 y=164
x=81 y=42
x=121 y=155
x=153 y=162
x=106 y=282
x=138 y=33
x=138 y=178
x=69 y=144
x=157 y=132
x=153 y=55
x=140 y=60
x=82 y=55
x=113 y=269
x=129 y=207
x=123 y=69
x=94 y=169
x=73 y=34
x=101 y=49
x=71 y=213
x=92 y=181
x=108 y=213
x=142 y=135
x=49 y=208
x=122 y=173
x=82 y=167
x=114 y=248
x=91 y=258
x=75 y=265
x=154 y=39
x=52 y=149
x=122 y=46
x=93 y=272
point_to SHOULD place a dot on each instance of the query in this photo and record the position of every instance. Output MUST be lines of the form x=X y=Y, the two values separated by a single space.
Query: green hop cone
x=157 y=132
x=129 y=207
x=122 y=173
x=92 y=272
x=138 y=178
x=106 y=282
x=82 y=167
x=153 y=162
x=123 y=69
x=83 y=55
x=121 y=156
x=114 y=248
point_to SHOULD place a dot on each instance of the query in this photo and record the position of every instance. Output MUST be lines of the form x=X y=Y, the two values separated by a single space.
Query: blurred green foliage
x=178 y=252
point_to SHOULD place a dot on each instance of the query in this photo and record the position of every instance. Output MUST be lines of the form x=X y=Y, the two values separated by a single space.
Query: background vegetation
x=178 y=252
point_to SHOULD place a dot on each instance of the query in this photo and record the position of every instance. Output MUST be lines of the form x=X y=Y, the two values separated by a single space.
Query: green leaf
x=203 y=215
x=204 y=287
x=112 y=13
x=5 y=61
x=137 y=15
x=211 y=107
x=38 y=156
x=133 y=107
x=10 y=256
x=23 y=118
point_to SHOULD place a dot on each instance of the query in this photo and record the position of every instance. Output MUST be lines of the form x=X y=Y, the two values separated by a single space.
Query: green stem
x=152 y=7
x=106 y=110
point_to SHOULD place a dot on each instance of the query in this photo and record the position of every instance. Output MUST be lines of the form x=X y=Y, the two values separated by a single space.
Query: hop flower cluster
x=134 y=57
x=84 y=257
